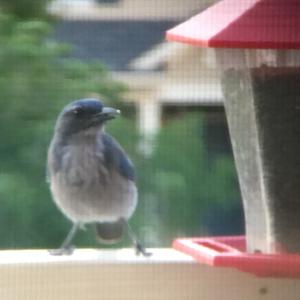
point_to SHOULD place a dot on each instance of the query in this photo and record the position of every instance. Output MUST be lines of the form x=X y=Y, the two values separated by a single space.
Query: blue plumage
x=116 y=157
x=89 y=105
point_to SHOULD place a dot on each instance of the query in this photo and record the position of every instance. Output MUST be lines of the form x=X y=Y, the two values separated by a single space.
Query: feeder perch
x=257 y=46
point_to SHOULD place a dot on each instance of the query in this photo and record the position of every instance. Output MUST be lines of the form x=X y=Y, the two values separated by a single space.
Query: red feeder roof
x=264 y=24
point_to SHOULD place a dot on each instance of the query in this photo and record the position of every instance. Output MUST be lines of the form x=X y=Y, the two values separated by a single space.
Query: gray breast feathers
x=88 y=188
x=84 y=166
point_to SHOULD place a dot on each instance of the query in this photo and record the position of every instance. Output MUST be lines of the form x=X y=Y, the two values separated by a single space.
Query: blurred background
x=173 y=123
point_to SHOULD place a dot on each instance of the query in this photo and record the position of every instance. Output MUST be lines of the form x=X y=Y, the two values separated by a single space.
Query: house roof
x=115 y=43
x=155 y=57
x=265 y=24
x=126 y=9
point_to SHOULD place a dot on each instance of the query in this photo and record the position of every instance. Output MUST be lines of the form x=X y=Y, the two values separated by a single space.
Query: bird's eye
x=77 y=111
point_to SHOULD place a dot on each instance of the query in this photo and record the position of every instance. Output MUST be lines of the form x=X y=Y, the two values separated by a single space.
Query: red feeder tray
x=231 y=252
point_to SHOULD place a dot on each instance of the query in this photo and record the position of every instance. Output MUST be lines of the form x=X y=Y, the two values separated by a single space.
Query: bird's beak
x=108 y=113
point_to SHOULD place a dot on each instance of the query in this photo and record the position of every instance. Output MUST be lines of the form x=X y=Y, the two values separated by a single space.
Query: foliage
x=178 y=183
x=25 y=9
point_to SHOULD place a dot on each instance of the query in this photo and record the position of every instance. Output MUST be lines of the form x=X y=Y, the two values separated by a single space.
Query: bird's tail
x=110 y=232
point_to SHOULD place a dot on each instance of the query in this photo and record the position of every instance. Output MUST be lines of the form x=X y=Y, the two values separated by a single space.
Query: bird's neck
x=90 y=133
x=87 y=136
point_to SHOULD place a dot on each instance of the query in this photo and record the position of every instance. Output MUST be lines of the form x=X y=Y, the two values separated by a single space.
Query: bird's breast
x=86 y=190
x=84 y=166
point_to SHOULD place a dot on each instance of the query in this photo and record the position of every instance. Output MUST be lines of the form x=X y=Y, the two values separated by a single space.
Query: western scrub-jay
x=91 y=177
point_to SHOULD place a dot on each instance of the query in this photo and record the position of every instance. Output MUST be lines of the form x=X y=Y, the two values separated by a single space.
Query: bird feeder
x=257 y=46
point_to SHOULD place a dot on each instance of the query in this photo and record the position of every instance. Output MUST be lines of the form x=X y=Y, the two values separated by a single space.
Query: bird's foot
x=62 y=251
x=140 y=249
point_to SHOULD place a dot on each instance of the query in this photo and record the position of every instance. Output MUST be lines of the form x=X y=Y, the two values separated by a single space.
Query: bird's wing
x=115 y=157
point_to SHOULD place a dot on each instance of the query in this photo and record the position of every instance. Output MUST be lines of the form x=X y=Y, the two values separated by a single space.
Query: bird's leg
x=66 y=248
x=139 y=248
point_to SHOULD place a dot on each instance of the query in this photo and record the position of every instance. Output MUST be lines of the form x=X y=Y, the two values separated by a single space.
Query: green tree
x=179 y=184
x=25 y=9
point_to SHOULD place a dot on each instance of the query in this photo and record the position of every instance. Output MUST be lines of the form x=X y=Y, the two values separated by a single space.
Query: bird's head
x=83 y=115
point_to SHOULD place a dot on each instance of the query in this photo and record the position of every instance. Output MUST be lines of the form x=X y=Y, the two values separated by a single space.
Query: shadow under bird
x=92 y=180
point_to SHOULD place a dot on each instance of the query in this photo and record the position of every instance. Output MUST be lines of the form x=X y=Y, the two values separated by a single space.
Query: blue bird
x=92 y=180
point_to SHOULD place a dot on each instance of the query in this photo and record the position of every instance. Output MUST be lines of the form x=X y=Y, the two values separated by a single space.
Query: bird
x=91 y=178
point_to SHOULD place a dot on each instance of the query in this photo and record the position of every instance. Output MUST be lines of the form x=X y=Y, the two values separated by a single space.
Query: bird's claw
x=62 y=251
x=140 y=249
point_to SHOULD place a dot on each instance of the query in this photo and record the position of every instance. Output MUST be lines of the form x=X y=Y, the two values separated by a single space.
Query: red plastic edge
x=230 y=252
x=259 y=24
